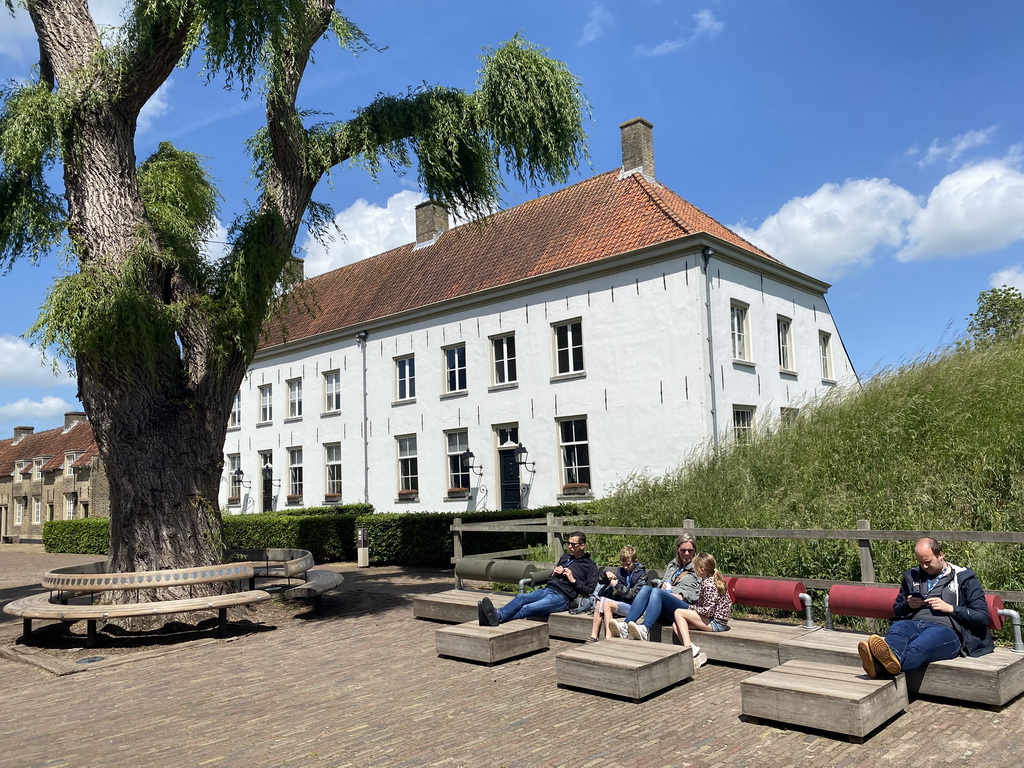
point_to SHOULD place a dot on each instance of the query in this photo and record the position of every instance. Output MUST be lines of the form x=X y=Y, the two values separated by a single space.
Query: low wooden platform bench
x=993 y=679
x=89 y=579
x=828 y=697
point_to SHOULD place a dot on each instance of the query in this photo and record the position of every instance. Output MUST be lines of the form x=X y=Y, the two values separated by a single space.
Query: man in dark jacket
x=575 y=575
x=941 y=614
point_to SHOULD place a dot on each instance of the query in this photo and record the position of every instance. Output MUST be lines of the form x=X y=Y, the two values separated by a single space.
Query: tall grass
x=934 y=445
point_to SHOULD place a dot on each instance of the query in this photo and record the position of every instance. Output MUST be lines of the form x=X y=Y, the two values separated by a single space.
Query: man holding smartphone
x=941 y=614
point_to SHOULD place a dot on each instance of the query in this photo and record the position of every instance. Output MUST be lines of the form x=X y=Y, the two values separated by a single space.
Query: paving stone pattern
x=366 y=688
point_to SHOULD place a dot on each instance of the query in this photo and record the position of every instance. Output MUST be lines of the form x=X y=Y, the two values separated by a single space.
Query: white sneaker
x=618 y=628
x=700 y=660
x=695 y=648
x=638 y=631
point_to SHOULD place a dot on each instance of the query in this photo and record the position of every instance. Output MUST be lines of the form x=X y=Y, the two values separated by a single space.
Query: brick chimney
x=638 y=147
x=73 y=417
x=431 y=221
x=22 y=432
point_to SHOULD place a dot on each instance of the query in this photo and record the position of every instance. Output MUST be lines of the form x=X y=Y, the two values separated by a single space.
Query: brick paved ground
x=363 y=687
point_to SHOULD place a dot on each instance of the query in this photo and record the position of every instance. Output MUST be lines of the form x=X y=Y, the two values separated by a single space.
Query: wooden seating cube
x=624 y=667
x=828 y=697
x=454 y=605
x=492 y=644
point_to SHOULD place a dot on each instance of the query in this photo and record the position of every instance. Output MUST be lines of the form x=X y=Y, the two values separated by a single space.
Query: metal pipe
x=1014 y=617
x=808 y=616
x=828 y=614
x=706 y=253
x=361 y=340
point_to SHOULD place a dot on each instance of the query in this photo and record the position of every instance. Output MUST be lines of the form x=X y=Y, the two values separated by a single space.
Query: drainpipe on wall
x=707 y=253
x=361 y=337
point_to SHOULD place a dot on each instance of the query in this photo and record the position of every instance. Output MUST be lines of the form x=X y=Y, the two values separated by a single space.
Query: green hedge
x=425 y=539
x=336 y=509
x=89 y=536
x=329 y=537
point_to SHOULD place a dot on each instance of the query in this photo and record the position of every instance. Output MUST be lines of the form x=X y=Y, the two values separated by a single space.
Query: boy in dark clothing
x=575 y=575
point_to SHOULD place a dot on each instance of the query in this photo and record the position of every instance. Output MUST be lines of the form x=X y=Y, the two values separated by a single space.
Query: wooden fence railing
x=557 y=528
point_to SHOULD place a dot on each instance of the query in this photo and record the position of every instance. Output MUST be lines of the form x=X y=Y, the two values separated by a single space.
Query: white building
x=566 y=342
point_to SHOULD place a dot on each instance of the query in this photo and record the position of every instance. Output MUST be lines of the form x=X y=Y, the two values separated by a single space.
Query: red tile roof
x=600 y=217
x=53 y=443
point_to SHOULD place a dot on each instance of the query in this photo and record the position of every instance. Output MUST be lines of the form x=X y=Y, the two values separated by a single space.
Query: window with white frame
x=740 y=326
x=408 y=465
x=19 y=470
x=332 y=391
x=575 y=451
x=70 y=502
x=332 y=468
x=266 y=403
x=69 y=463
x=295 y=472
x=37 y=510
x=785 y=332
x=569 y=347
x=37 y=469
x=503 y=352
x=294 y=398
x=455 y=368
x=457 y=444
x=235 y=416
x=234 y=478
x=19 y=511
x=405 y=378
x=825 y=352
x=743 y=422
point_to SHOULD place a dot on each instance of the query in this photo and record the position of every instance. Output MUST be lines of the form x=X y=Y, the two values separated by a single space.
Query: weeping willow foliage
x=524 y=119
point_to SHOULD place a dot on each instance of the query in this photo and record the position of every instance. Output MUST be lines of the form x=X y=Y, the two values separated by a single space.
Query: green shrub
x=88 y=536
x=425 y=538
x=329 y=537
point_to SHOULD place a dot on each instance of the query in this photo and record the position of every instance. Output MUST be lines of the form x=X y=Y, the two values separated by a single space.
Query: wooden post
x=457 y=547
x=555 y=538
x=867 y=565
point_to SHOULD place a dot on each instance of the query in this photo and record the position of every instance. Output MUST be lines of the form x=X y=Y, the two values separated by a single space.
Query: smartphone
x=917 y=594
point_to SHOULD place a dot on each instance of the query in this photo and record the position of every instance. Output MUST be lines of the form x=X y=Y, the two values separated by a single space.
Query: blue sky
x=876 y=145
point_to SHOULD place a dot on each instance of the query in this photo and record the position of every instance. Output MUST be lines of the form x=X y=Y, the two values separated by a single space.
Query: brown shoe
x=869 y=662
x=881 y=651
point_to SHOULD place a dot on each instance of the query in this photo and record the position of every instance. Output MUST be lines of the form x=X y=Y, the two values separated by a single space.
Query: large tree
x=160 y=333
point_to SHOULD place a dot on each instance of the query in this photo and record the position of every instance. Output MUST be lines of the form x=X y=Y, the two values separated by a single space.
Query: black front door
x=511 y=492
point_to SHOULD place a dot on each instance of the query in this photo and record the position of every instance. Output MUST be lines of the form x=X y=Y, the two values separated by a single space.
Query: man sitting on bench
x=941 y=614
x=575 y=575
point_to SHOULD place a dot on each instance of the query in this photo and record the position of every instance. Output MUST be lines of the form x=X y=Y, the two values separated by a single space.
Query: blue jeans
x=655 y=604
x=540 y=602
x=915 y=643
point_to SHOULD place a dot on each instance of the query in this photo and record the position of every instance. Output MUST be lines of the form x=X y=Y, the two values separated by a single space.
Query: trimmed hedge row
x=89 y=536
x=329 y=533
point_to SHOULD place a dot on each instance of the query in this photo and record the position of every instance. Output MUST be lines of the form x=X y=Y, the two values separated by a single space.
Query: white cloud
x=1010 y=276
x=706 y=27
x=598 y=22
x=977 y=209
x=952 y=150
x=157 y=106
x=837 y=228
x=25 y=412
x=21 y=364
x=366 y=230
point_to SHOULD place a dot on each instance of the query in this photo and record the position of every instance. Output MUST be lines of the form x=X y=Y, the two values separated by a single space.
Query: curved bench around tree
x=68 y=582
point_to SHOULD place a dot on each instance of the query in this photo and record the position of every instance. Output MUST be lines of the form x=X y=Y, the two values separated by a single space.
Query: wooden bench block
x=827 y=697
x=457 y=606
x=750 y=643
x=491 y=644
x=993 y=679
x=624 y=667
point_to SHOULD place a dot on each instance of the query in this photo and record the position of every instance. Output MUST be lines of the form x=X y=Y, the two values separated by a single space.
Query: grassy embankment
x=935 y=445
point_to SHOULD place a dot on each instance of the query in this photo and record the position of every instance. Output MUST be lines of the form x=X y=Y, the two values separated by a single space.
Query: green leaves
x=32 y=217
x=1000 y=316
